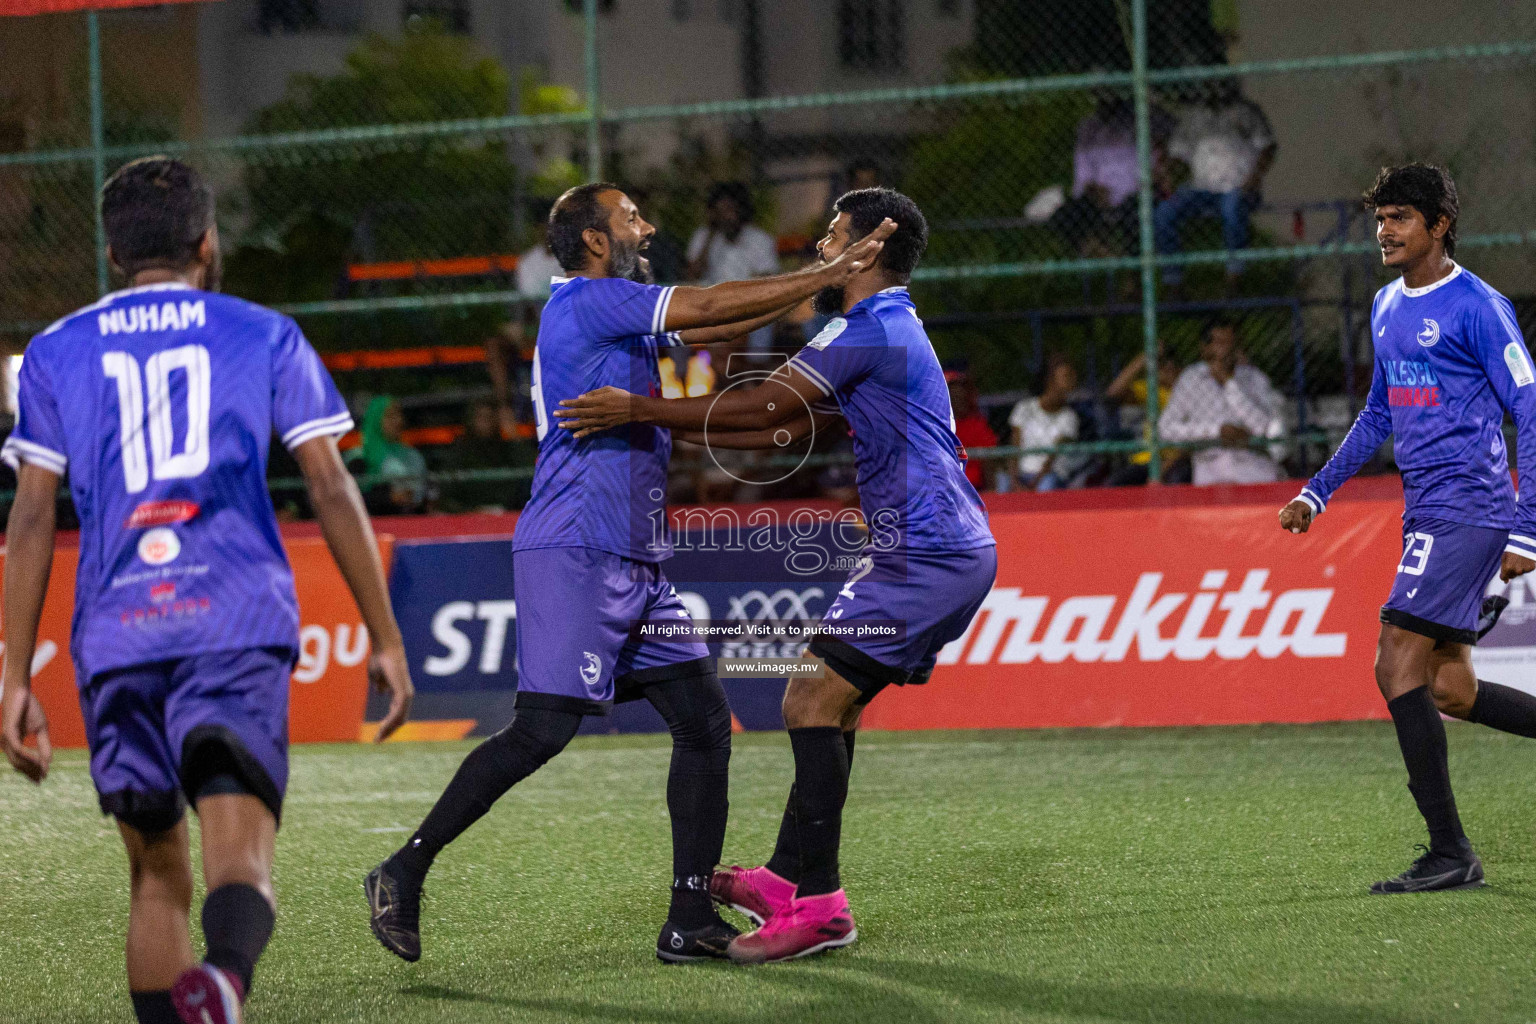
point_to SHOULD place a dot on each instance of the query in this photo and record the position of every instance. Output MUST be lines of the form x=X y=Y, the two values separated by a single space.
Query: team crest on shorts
x=1430 y=334
x=591 y=669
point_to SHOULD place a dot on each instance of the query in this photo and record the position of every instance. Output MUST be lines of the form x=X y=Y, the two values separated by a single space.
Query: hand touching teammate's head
x=597 y=230
x=158 y=213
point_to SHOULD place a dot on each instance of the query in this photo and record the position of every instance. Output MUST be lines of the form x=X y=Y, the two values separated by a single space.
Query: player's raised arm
x=28 y=561
x=770 y=439
x=730 y=332
x=734 y=301
x=348 y=533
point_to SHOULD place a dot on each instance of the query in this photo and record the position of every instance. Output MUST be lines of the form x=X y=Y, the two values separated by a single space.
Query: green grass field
x=1169 y=875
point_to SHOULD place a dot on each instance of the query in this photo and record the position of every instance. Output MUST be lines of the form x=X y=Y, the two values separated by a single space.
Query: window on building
x=578 y=6
x=453 y=15
x=288 y=15
x=872 y=34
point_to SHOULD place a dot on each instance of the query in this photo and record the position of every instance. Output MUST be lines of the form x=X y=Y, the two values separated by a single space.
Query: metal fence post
x=594 y=101
x=98 y=148
x=1148 y=249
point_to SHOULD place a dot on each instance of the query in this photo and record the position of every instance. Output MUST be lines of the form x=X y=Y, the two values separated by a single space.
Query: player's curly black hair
x=156 y=211
x=573 y=213
x=867 y=207
x=1425 y=187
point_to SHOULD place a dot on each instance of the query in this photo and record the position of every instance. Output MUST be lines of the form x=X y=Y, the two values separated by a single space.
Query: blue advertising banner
x=455 y=606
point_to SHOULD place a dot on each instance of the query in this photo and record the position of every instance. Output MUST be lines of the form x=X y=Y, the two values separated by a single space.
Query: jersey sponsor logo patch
x=159 y=546
x=1430 y=334
x=161 y=513
x=1519 y=365
x=829 y=333
x=591 y=668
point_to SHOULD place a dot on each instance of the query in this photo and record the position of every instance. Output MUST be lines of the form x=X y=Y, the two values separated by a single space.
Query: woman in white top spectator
x=1045 y=421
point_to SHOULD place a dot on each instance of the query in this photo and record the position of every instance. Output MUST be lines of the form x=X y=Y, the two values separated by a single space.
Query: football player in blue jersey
x=930 y=562
x=1450 y=362
x=159 y=404
x=587 y=556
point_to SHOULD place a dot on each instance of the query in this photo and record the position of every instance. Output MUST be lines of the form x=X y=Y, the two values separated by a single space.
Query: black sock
x=1421 y=735
x=533 y=737
x=237 y=922
x=821 y=787
x=154 y=1007
x=785 y=861
x=698 y=785
x=1505 y=708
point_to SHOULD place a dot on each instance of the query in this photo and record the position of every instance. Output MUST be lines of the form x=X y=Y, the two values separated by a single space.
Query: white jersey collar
x=1414 y=293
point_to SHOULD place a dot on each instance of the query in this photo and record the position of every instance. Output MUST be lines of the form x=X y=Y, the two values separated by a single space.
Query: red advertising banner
x=330 y=682
x=13 y=8
x=1193 y=615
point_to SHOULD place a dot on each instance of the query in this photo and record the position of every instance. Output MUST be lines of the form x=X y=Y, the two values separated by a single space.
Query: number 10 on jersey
x=132 y=386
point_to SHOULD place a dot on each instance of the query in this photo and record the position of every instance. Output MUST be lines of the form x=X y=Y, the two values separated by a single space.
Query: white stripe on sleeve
x=659 y=317
x=17 y=451
x=331 y=426
x=812 y=374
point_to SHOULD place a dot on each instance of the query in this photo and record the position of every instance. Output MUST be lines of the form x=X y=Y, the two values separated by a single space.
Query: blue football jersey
x=607 y=491
x=880 y=367
x=1450 y=361
x=160 y=402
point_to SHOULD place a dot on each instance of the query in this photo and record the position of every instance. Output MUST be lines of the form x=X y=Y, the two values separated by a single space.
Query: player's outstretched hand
x=1296 y=517
x=390 y=673
x=602 y=409
x=1514 y=565
x=22 y=716
x=860 y=254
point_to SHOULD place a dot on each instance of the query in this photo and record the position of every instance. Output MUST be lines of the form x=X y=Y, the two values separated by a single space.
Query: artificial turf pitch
x=1214 y=875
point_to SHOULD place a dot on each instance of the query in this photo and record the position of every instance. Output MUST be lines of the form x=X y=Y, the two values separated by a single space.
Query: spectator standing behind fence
x=1127 y=397
x=1045 y=421
x=1100 y=218
x=1224 y=399
x=399 y=472
x=729 y=247
x=971 y=426
x=1229 y=147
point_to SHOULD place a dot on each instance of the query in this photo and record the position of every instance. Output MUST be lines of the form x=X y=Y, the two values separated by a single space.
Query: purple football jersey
x=160 y=403
x=607 y=491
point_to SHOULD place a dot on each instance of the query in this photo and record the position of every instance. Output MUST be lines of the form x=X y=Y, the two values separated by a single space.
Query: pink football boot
x=756 y=892
x=812 y=924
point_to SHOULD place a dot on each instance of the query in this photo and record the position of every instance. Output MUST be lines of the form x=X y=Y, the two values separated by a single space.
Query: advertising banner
x=330 y=681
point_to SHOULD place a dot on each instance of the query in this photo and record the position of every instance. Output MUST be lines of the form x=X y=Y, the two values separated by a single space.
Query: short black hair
x=737 y=192
x=1425 y=187
x=867 y=207
x=156 y=211
x=1219 y=323
x=572 y=214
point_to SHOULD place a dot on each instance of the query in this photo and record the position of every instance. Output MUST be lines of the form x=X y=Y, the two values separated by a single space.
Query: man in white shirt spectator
x=1045 y=421
x=729 y=247
x=1223 y=399
x=1229 y=147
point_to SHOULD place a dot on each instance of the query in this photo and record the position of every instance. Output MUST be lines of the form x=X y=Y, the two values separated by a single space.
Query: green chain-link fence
x=1104 y=179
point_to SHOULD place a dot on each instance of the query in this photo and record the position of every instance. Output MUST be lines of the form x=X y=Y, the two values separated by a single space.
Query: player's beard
x=829 y=301
x=625 y=261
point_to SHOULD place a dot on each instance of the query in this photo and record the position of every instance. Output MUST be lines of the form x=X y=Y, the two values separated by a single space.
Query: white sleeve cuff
x=1521 y=545
x=16 y=451
x=659 y=317
x=1310 y=498
x=330 y=426
x=812 y=374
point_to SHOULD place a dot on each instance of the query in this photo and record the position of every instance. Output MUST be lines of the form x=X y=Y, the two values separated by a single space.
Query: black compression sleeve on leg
x=533 y=737
x=1505 y=708
x=237 y=923
x=785 y=861
x=821 y=787
x=696 y=712
x=154 y=1007
x=1421 y=735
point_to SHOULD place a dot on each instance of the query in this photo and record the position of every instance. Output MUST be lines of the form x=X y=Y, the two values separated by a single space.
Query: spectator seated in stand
x=1228 y=146
x=483 y=446
x=1224 y=399
x=1045 y=421
x=399 y=472
x=1127 y=396
x=971 y=427
x=1100 y=218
